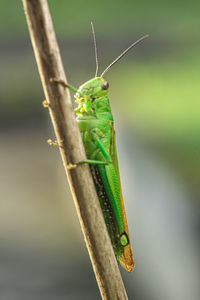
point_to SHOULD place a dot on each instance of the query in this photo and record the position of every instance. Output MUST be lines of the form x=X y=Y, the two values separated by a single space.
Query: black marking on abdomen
x=106 y=208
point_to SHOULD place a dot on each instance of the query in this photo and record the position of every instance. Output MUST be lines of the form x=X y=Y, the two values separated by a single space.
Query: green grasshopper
x=96 y=125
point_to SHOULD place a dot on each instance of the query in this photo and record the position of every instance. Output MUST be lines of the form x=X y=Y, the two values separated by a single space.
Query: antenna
x=95 y=49
x=124 y=52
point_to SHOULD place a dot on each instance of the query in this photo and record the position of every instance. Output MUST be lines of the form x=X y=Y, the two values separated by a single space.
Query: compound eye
x=105 y=85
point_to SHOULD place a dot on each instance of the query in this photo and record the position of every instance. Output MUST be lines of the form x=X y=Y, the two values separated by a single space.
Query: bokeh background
x=155 y=98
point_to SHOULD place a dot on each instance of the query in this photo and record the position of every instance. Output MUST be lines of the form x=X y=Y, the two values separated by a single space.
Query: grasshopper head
x=93 y=100
x=94 y=88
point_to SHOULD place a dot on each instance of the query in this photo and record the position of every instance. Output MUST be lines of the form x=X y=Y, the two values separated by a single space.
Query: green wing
x=108 y=186
x=127 y=258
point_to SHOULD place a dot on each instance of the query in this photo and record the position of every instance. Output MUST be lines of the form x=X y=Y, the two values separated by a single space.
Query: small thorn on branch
x=45 y=104
x=52 y=143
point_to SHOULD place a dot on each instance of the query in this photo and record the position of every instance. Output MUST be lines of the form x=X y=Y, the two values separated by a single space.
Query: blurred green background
x=154 y=93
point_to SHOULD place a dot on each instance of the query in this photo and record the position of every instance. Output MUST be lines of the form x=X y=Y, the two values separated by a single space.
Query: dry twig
x=71 y=147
